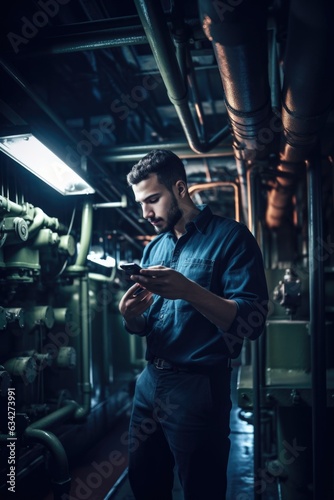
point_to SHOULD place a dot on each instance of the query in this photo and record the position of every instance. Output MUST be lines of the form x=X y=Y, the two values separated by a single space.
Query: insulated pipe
x=156 y=29
x=280 y=202
x=239 y=39
x=307 y=96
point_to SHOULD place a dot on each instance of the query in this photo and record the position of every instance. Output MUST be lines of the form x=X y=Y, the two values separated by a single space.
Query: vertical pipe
x=107 y=351
x=85 y=324
x=86 y=234
x=255 y=347
x=317 y=328
x=242 y=177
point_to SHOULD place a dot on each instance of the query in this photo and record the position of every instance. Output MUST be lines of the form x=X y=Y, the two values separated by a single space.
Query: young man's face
x=159 y=205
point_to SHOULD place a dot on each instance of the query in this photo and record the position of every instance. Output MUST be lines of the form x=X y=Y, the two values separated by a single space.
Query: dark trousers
x=180 y=420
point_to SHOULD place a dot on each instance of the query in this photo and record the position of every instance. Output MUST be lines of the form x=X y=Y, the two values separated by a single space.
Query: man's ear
x=180 y=187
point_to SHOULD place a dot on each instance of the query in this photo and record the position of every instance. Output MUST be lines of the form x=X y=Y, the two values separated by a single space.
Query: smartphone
x=131 y=268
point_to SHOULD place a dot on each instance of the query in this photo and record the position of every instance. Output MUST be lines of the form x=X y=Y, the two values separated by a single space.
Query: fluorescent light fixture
x=108 y=261
x=41 y=161
x=98 y=256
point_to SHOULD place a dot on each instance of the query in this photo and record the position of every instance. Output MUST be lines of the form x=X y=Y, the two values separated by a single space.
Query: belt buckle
x=159 y=363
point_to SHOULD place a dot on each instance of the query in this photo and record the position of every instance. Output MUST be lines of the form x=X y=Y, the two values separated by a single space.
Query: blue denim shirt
x=222 y=256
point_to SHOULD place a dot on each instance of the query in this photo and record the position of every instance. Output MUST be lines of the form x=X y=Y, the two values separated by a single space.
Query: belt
x=162 y=364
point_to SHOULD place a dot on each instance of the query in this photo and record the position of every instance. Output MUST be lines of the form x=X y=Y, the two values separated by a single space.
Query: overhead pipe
x=216 y=184
x=89 y=35
x=87 y=41
x=239 y=41
x=158 y=36
x=92 y=41
x=134 y=152
x=307 y=97
x=183 y=55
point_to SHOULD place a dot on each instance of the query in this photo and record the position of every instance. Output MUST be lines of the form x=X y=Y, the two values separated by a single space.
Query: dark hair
x=167 y=165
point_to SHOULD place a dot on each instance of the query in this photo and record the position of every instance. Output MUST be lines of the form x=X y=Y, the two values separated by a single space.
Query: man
x=204 y=290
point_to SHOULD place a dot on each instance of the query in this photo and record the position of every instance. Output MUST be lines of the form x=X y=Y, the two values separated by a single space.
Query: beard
x=173 y=216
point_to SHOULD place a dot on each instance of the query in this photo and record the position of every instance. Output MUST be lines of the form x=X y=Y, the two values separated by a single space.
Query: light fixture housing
x=32 y=154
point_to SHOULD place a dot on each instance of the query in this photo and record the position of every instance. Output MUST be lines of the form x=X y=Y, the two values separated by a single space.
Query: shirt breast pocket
x=198 y=270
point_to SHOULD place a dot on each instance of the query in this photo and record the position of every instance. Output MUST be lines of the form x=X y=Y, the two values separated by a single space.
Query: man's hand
x=132 y=306
x=164 y=281
x=171 y=284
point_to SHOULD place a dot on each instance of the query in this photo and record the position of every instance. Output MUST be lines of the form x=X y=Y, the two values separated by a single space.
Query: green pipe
x=52 y=443
x=84 y=310
x=86 y=233
x=156 y=29
x=9 y=207
x=85 y=238
x=107 y=344
x=56 y=417
x=86 y=348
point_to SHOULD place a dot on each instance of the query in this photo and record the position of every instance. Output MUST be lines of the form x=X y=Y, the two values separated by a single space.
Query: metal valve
x=288 y=292
x=16 y=227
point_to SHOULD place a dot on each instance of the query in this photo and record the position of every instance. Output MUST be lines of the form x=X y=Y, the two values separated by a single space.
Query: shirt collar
x=202 y=220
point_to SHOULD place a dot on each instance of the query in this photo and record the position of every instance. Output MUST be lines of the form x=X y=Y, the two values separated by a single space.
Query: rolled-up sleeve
x=244 y=282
